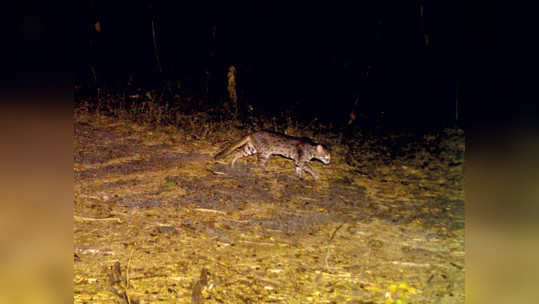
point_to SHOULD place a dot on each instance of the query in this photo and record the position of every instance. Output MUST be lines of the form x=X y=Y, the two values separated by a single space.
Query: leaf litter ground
x=154 y=224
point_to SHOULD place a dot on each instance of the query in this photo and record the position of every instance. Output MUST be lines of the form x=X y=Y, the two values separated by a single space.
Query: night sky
x=318 y=56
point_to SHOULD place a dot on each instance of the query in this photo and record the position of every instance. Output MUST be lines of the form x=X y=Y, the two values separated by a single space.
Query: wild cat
x=265 y=144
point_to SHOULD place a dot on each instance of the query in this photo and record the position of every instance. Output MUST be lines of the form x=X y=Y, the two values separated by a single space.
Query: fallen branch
x=91 y=219
x=335 y=231
x=210 y=210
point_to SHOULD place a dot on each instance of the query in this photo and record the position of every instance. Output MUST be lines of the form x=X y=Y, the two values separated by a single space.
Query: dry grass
x=379 y=226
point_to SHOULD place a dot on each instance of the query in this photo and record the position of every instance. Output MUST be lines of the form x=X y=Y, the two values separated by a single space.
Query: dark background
x=316 y=58
x=484 y=53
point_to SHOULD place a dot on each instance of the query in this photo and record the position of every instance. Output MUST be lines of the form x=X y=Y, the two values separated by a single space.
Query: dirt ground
x=154 y=224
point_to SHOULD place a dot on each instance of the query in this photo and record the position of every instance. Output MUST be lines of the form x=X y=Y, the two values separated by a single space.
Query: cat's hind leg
x=247 y=150
x=263 y=160
x=237 y=155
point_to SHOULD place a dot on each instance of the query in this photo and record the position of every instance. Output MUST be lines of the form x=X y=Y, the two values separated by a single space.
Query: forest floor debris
x=385 y=222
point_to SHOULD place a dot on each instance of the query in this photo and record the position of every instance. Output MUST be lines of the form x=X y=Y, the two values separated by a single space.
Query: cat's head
x=322 y=153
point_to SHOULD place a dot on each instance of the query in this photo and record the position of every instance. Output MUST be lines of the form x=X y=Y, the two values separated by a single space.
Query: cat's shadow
x=239 y=170
x=246 y=171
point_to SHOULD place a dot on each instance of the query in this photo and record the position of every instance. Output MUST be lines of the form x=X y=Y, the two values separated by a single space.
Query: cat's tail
x=231 y=149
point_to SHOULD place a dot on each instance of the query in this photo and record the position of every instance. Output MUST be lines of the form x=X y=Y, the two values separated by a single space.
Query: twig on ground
x=91 y=219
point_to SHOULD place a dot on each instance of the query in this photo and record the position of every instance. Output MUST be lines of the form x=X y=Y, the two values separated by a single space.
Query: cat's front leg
x=299 y=171
x=307 y=168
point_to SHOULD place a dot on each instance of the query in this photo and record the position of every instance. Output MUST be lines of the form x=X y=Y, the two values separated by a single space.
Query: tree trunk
x=155 y=47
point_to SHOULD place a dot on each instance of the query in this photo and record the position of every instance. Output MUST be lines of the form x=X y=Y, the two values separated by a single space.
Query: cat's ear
x=319 y=149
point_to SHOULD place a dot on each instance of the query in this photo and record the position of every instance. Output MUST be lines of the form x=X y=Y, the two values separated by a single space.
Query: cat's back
x=275 y=139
